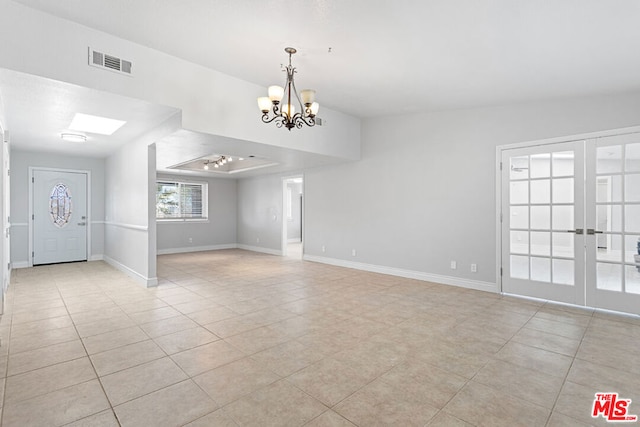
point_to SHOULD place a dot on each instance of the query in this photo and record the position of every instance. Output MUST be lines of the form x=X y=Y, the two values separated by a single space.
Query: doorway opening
x=293 y=216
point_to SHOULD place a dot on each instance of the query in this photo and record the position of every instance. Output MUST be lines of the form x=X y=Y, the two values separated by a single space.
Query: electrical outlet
x=474 y=268
x=323 y=249
x=353 y=252
x=190 y=239
x=257 y=240
x=454 y=265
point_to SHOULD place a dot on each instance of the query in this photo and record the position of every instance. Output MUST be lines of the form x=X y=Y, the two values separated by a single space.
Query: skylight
x=95 y=124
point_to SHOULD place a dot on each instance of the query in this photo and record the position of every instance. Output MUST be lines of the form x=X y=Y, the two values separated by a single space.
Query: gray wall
x=218 y=231
x=129 y=229
x=294 y=225
x=20 y=163
x=260 y=213
x=424 y=192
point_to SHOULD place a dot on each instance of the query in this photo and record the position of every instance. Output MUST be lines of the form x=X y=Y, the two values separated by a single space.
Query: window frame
x=205 y=200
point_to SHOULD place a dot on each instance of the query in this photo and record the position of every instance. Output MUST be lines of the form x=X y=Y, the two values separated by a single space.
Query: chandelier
x=286 y=114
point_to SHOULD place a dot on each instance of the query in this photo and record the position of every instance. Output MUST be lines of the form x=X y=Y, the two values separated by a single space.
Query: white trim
x=30 y=202
x=195 y=249
x=129 y=226
x=259 y=249
x=182 y=220
x=409 y=274
x=20 y=264
x=571 y=138
x=98 y=222
x=97 y=257
x=285 y=220
x=19 y=224
x=294 y=240
x=146 y=281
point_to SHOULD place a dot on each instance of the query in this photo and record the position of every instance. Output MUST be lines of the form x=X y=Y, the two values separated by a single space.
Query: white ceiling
x=387 y=58
x=390 y=57
x=38 y=110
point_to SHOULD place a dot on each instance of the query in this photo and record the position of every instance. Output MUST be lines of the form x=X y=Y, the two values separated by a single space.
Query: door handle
x=82 y=223
x=592 y=231
x=577 y=231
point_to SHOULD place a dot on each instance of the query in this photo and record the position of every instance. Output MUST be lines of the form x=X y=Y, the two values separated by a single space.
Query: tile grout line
x=89 y=358
x=564 y=381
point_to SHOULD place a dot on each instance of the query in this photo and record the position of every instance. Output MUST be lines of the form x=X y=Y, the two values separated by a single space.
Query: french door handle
x=592 y=231
x=82 y=223
x=577 y=231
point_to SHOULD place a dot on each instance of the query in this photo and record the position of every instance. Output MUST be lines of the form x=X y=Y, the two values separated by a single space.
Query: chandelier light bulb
x=264 y=103
x=314 y=108
x=216 y=165
x=275 y=93
x=288 y=110
x=206 y=166
x=308 y=96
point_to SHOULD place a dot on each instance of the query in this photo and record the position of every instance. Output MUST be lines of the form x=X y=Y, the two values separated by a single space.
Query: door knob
x=577 y=231
x=592 y=231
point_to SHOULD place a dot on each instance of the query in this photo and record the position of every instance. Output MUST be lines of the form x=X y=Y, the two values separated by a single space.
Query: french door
x=571 y=222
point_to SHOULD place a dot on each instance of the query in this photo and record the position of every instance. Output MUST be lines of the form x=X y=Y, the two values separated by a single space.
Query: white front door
x=59 y=216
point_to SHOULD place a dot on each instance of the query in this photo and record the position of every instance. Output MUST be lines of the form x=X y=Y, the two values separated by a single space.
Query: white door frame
x=498 y=179
x=284 y=240
x=30 y=217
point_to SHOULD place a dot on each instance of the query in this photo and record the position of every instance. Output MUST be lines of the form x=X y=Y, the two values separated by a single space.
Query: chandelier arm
x=266 y=119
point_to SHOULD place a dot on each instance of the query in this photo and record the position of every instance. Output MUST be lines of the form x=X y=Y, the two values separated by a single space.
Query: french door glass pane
x=632 y=157
x=609 y=248
x=609 y=189
x=541 y=191
x=563 y=163
x=609 y=218
x=563 y=271
x=632 y=218
x=632 y=188
x=541 y=269
x=563 y=190
x=632 y=284
x=519 y=193
x=519 y=242
x=563 y=245
x=562 y=217
x=519 y=168
x=519 y=267
x=519 y=217
x=540 y=165
x=632 y=249
x=609 y=159
x=540 y=243
x=541 y=217
x=609 y=276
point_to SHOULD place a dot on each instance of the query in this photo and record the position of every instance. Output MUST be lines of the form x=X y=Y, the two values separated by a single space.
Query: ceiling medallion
x=286 y=115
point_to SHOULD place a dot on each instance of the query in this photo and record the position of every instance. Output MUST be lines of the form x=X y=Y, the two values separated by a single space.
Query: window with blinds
x=181 y=200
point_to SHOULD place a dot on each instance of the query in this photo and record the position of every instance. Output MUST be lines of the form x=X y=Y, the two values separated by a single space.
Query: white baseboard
x=294 y=240
x=20 y=264
x=409 y=274
x=146 y=281
x=196 y=249
x=96 y=257
x=259 y=249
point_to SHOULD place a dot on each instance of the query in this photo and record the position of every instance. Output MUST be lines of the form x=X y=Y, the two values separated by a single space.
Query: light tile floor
x=238 y=338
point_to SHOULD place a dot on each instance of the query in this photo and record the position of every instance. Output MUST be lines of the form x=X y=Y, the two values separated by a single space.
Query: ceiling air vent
x=109 y=62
